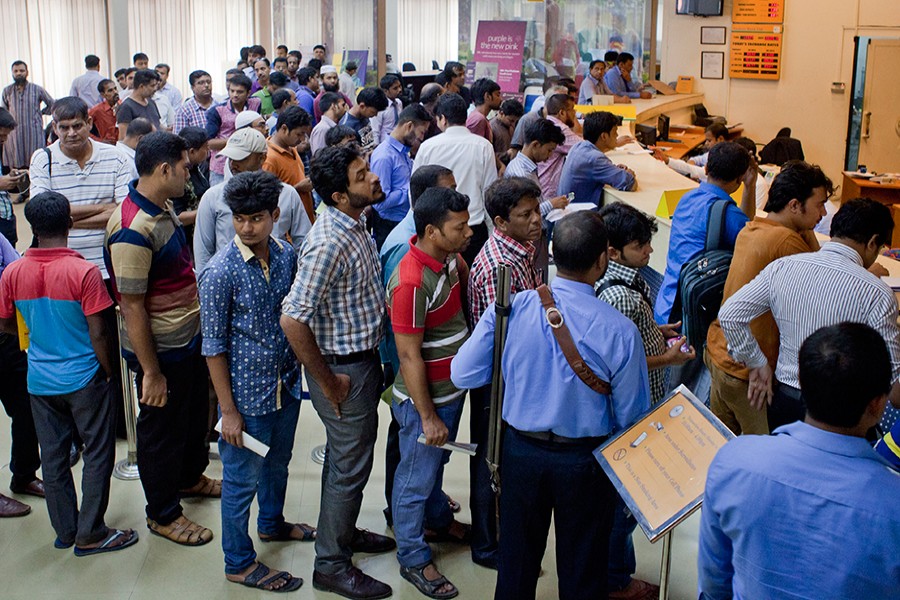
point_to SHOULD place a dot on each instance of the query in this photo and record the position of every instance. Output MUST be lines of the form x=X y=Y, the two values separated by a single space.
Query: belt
x=349 y=359
x=549 y=436
x=788 y=390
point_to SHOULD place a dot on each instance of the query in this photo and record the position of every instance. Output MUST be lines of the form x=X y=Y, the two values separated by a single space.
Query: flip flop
x=284 y=533
x=258 y=579
x=115 y=534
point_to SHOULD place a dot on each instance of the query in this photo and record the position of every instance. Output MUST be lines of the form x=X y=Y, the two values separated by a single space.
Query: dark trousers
x=25 y=459
x=787 y=406
x=391 y=460
x=89 y=412
x=171 y=439
x=9 y=231
x=544 y=479
x=482 y=500
x=479 y=237
x=381 y=227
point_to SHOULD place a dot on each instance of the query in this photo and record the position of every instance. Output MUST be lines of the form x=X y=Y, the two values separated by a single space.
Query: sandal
x=446 y=534
x=181 y=531
x=260 y=579
x=429 y=587
x=285 y=531
x=204 y=488
x=128 y=537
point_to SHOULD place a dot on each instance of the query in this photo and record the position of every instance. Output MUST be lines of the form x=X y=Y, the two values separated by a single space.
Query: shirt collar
x=619 y=271
x=845 y=251
x=573 y=286
x=247 y=254
x=63 y=159
x=709 y=188
x=423 y=257
x=594 y=81
x=343 y=219
x=522 y=250
x=286 y=151
x=827 y=441
x=144 y=203
x=565 y=128
x=397 y=145
x=47 y=254
x=526 y=162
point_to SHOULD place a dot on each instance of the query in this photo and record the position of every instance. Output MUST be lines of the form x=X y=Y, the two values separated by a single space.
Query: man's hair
x=279 y=79
x=624 y=57
x=596 y=62
x=339 y=133
x=452 y=65
x=293 y=117
x=252 y=192
x=279 y=97
x=157 y=148
x=797 y=179
x=430 y=94
x=120 y=72
x=139 y=127
x=328 y=170
x=512 y=108
x=481 y=87
x=7 y=121
x=727 y=161
x=626 y=224
x=103 y=83
x=91 y=61
x=504 y=195
x=610 y=56
x=718 y=130
x=16 y=63
x=549 y=82
x=317 y=46
x=414 y=113
x=194 y=137
x=163 y=66
x=257 y=50
x=579 y=240
x=351 y=66
x=388 y=81
x=315 y=64
x=241 y=81
x=747 y=144
x=843 y=368
x=281 y=47
x=195 y=75
x=424 y=178
x=598 y=123
x=139 y=56
x=49 y=214
x=279 y=59
x=130 y=70
x=144 y=76
x=434 y=206
x=328 y=100
x=860 y=219
x=244 y=53
x=373 y=97
x=234 y=73
x=296 y=54
x=70 y=107
x=261 y=60
x=453 y=108
x=556 y=104
x=544 y=131
x=305 y=74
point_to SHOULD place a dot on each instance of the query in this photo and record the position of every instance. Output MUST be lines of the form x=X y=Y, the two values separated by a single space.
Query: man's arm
x=92 y=216
x=293 y=219
x=137 y=322
x=748 y=196
x=384 y=168
x=100 y=342
x=412 y=366
x=377 y=122
x=473 y=365
x=213 y=124
x=335 y=386
x=204 y=232
x=714 y=555
x=47 y=99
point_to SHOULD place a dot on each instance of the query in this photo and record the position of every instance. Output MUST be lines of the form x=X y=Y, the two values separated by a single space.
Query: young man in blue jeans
x=241 y=291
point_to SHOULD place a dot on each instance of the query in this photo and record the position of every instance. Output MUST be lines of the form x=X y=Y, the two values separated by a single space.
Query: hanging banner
x=498 y=53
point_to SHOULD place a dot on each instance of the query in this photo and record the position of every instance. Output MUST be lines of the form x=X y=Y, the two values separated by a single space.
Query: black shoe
x=388 y=518
x=353 y=584
x=488 y=562
x=75 y=454
x=368 y=542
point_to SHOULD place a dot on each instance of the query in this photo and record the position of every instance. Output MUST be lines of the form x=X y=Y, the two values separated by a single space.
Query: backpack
x=701 y=283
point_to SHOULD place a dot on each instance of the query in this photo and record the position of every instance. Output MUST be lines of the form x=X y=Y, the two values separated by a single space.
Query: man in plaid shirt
x=513 y=204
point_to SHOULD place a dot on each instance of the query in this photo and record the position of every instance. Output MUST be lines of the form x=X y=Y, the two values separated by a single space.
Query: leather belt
x=349 y=359
x=549 y=436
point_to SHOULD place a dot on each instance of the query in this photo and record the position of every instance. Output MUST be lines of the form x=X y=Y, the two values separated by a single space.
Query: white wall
x=817 y=50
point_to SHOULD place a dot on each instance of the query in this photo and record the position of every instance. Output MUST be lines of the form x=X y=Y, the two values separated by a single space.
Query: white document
x=558 y=213
x=453 y=446
x=250 y=442
x=893 y=282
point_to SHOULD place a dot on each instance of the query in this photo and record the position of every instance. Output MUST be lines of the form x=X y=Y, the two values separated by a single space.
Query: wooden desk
x=690 y=138
x=853 y=187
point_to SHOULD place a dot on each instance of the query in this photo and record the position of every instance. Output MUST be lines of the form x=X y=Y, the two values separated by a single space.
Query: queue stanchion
x=127 y=470
x=665 y=566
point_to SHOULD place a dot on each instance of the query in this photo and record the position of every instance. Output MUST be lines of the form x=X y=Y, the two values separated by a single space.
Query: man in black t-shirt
x=369 y=102
x=139 y=104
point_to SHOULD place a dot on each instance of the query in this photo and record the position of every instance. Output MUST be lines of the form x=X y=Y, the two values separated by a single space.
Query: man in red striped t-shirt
x=425 y=306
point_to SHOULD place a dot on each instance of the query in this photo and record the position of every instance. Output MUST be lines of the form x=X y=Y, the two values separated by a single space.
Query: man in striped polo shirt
x=425 y=306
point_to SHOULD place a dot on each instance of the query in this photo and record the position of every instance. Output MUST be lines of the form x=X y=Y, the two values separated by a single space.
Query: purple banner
x=498 y=53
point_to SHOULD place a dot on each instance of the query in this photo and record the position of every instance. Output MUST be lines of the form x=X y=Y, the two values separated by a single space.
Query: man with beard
x=104 y=114
x=330 y=83
x=293 y=65
x=23 y=100
x=333 y=318
x=391 y=162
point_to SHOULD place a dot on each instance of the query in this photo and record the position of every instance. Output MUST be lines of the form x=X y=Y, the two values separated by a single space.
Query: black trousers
x=787 y=406
x=544 y=479
x=381 y=227
x=479 y=237
x=171 y=440
x=482 y=499
x=25 y=459
x=391 y=461
x=8 y=229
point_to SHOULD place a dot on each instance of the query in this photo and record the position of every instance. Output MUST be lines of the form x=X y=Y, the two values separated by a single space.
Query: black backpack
x=701 y=282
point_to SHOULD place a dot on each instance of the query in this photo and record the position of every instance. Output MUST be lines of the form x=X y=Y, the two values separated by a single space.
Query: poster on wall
x=498 y=53
x=361 y=58
x=756 y=51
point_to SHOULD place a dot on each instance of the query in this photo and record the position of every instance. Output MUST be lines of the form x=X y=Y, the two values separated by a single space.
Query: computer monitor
x=662 y=125
x=645 y=134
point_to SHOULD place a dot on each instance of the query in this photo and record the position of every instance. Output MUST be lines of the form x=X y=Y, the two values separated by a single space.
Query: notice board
x=757 y=11
x=499 y=47
x=756 y=51
x=659 y=464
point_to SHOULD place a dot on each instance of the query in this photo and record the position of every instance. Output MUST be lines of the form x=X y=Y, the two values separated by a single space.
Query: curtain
x=200 y=34
x=298 y=24
x=354 y=26
x=428 y=30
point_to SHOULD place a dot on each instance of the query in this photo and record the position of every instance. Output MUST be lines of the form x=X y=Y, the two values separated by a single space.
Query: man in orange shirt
x=796 y=204
x=283 y=157
x=104 y=114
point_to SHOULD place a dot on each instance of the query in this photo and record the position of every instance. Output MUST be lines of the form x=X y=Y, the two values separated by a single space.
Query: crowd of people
x=304 y=230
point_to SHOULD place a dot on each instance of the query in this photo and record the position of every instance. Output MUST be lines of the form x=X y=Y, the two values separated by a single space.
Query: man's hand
x=646 y=95
x=749 y=178
x=11 y=182
x=435 y=431
x=660 y=155
x=338 y=392
x=623 y=139
x=154 y=390
x=627 y=170
x=674 y=355
x=559 y=202
x=233 y=428
x=759 y=392
x=878 y=270
x=305 y=186
x=670 y=330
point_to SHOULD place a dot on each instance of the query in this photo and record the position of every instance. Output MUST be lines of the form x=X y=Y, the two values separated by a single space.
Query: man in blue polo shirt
x=729 y=166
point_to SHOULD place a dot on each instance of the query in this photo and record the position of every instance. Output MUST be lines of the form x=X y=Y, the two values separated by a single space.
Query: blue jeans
x=621 y=565
x=418 y=496
x=245 y=474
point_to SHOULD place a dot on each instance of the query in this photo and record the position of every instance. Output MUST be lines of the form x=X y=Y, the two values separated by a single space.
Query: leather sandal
x=263 y=578
x=204 y=488
x=429 y=587
x=181 y=531
x=455 y=533
x=286 y=530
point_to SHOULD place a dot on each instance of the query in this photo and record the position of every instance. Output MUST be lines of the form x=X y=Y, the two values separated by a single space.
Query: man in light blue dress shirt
x=811 y=511
x=618 y=79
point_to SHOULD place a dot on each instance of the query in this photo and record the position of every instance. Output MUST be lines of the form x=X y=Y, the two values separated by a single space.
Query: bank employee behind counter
x=556 y=420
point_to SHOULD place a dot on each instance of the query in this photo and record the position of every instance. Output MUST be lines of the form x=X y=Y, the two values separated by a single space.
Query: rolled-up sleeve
x=215 y=310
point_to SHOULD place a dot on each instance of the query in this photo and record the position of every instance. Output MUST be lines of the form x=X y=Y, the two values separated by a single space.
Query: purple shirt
x=220 y=125
x=550 y=170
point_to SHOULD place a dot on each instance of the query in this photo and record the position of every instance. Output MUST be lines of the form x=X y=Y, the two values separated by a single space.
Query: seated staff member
x=811 y=473
x=551 y=436
x=796 y=203
x=588 y=170
x=594 y=85
x=618 y=79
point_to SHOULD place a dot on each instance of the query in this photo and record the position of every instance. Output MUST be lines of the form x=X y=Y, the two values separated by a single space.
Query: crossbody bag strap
x=567 y=344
